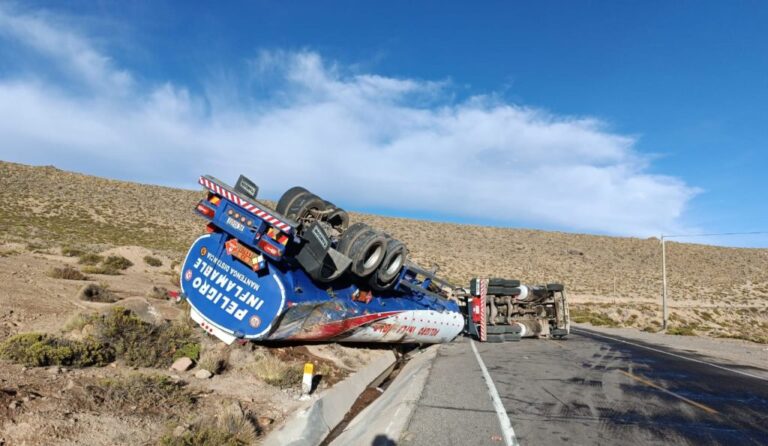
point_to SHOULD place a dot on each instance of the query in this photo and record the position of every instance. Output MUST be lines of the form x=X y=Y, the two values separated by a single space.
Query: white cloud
x=360 y=140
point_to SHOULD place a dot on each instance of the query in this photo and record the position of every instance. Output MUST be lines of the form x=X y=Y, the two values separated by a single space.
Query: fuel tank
x=281 y=303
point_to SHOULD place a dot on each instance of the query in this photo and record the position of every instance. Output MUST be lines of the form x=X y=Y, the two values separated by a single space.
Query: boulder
x=182 y=364
x=203 y=374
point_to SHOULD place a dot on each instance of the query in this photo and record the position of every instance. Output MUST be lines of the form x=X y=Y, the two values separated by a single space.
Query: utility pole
x=664 y=284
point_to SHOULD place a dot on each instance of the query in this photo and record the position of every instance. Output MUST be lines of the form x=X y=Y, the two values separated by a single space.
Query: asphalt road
x=588 y=390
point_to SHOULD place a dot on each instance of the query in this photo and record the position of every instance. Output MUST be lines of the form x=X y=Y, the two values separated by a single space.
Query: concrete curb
x=384 y=421
x=311 y=425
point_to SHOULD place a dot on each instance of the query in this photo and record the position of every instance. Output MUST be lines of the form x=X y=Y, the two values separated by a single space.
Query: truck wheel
x=503 y=290
x=393 y=261
x=509 y=283
x=338 y=219
x=303 y=204
x=494 y=338
x=378 y=285
x=554 y=287
x=365 y=246
x=287 y=199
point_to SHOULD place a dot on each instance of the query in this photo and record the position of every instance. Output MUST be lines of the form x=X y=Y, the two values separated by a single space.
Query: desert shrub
x=96 y=293
x=89 y=258
x=175 y=280
x=67 y=272
x=38 y=349
x=143 y=344
x=152 y=261
x=117 y=262
x=190 y=350
x=139 y=394
x=277 y=372
x=232 y=427
x=69 y=251
x=581 y=316
x=101 y=270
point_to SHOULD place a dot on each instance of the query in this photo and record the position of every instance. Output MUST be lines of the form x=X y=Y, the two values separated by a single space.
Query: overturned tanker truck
x=301 y=272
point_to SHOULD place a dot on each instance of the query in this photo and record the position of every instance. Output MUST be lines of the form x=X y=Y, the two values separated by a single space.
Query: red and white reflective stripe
x=215 y=188
x=483 y=321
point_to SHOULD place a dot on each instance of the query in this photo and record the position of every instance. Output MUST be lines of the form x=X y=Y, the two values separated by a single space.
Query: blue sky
x=626 y=118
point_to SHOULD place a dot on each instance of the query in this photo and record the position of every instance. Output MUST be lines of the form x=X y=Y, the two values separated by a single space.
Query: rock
x=265 y=421
x=55 y=370
x=70 y=385
x=182 y=364
x=179 y=431
x=203 y=374
x=13 y=405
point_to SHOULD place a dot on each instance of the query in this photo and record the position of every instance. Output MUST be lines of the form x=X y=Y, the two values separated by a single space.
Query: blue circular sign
x=228 y=293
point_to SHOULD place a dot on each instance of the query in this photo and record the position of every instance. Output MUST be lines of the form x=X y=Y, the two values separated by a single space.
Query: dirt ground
x=68 y=406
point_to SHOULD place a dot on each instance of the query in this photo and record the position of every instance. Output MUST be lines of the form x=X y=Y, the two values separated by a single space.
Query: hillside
x=40 y=205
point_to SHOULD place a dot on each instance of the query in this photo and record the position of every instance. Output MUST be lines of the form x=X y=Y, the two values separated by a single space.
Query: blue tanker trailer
x=301 y=272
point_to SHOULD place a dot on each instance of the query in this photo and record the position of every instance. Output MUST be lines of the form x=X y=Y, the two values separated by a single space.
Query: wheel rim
x=372 y=256
x=395 y=264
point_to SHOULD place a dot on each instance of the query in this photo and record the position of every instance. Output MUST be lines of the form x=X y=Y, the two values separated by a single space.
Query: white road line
x=506 y=425
x=675 y=355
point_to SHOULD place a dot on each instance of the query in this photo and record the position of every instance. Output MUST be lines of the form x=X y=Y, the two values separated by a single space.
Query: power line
x=715 y=234
x=664 y=312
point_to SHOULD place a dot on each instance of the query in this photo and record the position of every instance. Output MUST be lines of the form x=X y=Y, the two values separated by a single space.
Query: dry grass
x=89 y=258
x=68 y=251
x=96 y=293
x=153 y=261
x=138 y=394
x=117 y=263
x=215 y=359
x=276 y=372
x=231 y=427
x=101 y=270
x=66 y=272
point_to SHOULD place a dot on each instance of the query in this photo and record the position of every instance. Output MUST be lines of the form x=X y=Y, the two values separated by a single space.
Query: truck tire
x=365 y=246
x=509 y=283
x=288 y=198
x=503 y=290
x=393 y=261
x=377 y=285
x=303 y=204
x=494 y=338
x=338 y=219
x=555 y=287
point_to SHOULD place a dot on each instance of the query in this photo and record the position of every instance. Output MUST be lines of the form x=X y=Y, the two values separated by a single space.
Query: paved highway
x=588 y=389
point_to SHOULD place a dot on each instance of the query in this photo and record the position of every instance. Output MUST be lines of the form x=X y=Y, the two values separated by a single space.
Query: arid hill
x=47 y=205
